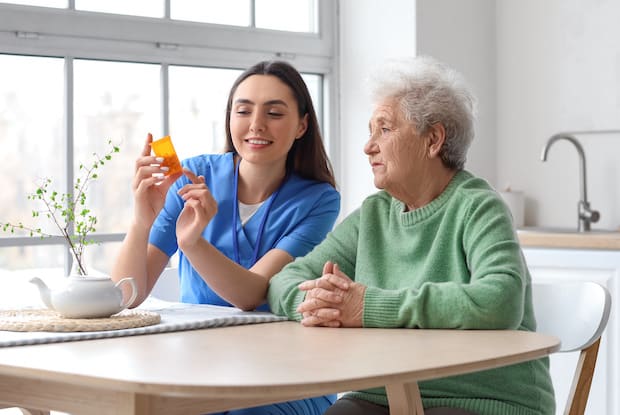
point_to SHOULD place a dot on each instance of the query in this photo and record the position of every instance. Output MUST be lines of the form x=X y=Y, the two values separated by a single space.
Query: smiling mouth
x=258 y=141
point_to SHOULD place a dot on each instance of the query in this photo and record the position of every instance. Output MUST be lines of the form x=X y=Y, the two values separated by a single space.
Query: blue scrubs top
x=300 y=217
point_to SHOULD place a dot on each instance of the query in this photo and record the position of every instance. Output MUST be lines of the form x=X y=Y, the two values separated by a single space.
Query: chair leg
x=580 y=389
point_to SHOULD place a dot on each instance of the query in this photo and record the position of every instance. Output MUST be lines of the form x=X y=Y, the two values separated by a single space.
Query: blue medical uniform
x=300 y=217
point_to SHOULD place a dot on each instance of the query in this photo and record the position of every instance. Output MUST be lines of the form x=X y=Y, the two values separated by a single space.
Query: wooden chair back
x=577 y=313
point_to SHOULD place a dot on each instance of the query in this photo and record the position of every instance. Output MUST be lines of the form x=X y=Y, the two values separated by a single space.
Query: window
x=45 y=3
x=286 y=15
x=148 y=8
x=109 y=71
x=30 y=136
x=299 y=15
x=230 y=12
x=268 y=14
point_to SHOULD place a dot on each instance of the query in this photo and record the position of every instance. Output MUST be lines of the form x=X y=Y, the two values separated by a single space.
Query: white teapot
x=87 y=297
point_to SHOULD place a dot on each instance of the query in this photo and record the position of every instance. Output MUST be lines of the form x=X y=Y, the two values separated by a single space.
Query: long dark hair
x=307 y=156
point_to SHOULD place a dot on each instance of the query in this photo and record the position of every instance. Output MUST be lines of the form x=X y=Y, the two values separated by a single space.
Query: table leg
x=404 y=399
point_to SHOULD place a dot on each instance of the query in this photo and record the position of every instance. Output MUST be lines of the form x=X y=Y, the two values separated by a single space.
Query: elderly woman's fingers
x=343 y=279
x=308 y=285
x=325 y=317
x=329 y=296
x=329 y=282
x=321 y=282
x=328 y=267
x=339 y=280
x=315 y=322
x=312 y=303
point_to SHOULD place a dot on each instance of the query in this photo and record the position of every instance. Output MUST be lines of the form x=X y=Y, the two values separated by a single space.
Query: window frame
x=46 y=31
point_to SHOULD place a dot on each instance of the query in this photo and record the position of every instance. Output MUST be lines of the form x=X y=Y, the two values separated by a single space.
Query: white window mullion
x=165 y=98
x=167 y=9
x=69 y=144
x=252 y=13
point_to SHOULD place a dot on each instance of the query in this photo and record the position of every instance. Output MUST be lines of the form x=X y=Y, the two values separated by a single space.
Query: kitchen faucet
x=585 y=215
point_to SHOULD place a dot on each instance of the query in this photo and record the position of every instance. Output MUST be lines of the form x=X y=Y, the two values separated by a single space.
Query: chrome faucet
x=585 y=215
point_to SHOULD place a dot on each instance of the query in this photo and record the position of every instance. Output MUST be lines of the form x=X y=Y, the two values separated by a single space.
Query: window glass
x=31 y=131
x=198 y=108
x=229 y=12
x=147 y=8
x=120 y=102
x=101 y=257
x=293 y=16
x=315 y=87
x=46 y=3
x=31 y=259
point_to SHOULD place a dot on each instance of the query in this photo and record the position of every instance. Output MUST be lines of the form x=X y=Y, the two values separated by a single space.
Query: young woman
x=237 y=218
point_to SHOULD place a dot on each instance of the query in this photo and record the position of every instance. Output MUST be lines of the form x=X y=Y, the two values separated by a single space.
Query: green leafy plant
x=68 y=211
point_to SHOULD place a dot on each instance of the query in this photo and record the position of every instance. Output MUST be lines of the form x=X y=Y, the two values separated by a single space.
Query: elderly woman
x=434 y=249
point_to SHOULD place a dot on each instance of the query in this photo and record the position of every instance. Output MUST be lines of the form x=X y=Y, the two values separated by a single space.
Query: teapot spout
x=44 y=291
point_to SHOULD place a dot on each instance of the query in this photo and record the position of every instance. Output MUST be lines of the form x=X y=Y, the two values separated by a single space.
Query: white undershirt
x=246 y=211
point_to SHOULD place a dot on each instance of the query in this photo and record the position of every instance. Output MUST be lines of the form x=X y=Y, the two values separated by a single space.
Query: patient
x=433 y=249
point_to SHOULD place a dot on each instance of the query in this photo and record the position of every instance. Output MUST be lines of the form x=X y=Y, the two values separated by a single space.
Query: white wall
x=462 y=34
x=558 y=69
x=370 y=32
x=458 y=33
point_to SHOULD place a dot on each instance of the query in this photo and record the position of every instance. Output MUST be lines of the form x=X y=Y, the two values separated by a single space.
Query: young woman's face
x=264 y=120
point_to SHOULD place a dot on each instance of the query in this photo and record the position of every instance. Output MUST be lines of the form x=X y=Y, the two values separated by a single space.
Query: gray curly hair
x=430 y=92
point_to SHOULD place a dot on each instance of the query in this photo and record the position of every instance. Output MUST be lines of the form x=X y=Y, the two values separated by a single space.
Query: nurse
x=238 y=217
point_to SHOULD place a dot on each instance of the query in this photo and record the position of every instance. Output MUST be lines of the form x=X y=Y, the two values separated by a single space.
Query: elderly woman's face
x=397 y=153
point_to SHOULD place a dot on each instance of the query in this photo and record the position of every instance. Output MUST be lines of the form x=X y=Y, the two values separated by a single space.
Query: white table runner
x=174 y=317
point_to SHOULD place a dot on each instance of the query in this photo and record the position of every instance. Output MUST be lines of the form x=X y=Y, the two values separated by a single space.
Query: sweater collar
x=417 y=215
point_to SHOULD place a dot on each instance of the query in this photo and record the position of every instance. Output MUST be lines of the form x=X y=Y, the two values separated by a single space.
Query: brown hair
x=307 y=156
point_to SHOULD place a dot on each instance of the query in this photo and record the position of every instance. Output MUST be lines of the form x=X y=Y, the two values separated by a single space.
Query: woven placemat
x=49 y=320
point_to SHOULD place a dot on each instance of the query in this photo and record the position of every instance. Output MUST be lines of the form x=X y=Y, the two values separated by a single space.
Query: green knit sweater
x=452 y=264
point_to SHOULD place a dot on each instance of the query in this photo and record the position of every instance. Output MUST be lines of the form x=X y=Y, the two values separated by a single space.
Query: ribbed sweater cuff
x=478 y=406
x=381 y=307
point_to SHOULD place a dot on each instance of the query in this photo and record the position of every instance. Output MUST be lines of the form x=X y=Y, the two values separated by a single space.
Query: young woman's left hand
x=199 y=209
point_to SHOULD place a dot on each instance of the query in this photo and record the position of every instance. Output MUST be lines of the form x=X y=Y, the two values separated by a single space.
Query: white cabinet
x=602 y=267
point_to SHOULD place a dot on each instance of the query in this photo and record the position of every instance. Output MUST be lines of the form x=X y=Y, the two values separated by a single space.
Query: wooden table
x=211 y=370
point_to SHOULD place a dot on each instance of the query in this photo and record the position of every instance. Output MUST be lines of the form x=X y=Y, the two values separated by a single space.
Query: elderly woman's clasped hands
x=333 y=300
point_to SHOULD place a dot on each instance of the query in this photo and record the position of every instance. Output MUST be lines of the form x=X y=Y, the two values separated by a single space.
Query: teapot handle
x=134 y=291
